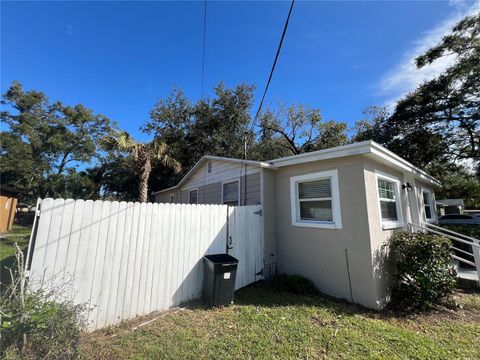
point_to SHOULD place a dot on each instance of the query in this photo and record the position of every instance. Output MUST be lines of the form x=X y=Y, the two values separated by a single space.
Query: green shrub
x=37 y=324
x=295 y=284
x=472 y=230
x=424 y=272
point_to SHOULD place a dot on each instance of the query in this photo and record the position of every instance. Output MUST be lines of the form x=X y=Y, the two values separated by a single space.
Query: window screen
x=388 y=206
x=230 y=193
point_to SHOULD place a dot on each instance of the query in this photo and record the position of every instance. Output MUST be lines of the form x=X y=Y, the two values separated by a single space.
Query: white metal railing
x=455 y=237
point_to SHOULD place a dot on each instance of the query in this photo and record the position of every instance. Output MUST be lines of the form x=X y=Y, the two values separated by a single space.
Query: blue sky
x=119 y=58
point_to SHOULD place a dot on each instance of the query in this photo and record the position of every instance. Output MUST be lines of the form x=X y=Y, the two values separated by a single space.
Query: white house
x=327 y=214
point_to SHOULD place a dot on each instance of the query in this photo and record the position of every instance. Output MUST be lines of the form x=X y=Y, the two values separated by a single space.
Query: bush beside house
x=424 y=274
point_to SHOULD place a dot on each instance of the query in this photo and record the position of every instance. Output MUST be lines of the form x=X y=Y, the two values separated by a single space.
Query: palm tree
x=142 y=153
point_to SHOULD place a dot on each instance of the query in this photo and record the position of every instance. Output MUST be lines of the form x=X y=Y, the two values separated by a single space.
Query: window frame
x=390 y=224
x=190 y=191
x=172 y=198
x=231 y=181
x=336 y=222
x=431 y=205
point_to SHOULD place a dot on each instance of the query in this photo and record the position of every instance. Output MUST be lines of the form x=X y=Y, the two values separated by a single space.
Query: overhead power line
x=274 y=63
x=204 y=38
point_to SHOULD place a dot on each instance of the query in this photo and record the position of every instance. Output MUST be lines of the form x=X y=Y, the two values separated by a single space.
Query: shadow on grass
x=268 y=294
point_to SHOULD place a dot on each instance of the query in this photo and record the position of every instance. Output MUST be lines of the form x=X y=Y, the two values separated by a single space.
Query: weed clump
x=37 y=324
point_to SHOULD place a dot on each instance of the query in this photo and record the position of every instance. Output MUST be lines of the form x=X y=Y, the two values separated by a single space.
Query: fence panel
x=128 y=259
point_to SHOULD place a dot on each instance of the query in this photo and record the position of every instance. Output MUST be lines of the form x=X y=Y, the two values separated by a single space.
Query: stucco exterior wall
x=378 y=236
x=338 y=261
x=412 y=211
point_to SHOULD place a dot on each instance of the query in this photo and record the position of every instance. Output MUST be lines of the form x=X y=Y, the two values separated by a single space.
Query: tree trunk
x=143 y=184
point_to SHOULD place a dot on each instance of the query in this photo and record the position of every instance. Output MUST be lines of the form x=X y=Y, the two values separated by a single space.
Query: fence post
x=33 y=235
x=476 y=256
x=228 y=243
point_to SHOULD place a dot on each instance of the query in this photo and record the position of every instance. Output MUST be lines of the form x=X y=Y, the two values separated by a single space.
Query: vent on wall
x=209 y=167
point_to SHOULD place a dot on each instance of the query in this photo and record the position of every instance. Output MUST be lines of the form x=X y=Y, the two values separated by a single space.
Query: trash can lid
x=221 y=259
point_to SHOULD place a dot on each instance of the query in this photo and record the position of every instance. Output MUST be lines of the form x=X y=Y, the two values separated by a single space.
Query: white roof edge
x=235 y=160
x=219 y=158
x=163 y=190
x=360 y=148
x=397 y=160
x=330 y=153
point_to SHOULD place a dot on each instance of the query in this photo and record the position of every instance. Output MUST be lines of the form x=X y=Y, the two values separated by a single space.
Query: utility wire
x=204 y=38
x=274 y=63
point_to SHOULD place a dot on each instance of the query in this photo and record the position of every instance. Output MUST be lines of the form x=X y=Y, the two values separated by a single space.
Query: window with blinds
x=387 y=195
x=231 y=193
x=315 y=200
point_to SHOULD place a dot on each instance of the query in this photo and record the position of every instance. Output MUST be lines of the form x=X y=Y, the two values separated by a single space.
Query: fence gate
x=128 y=259
x=245 y=242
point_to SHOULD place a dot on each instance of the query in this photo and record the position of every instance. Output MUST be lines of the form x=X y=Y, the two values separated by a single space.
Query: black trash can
x=219 y=272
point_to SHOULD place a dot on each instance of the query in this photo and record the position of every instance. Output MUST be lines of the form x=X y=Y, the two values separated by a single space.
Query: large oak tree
x=448 y=105
x=297 y=129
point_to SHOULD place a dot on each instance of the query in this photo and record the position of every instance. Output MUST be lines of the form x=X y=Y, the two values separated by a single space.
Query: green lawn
x=267 y=323
x=18 y=234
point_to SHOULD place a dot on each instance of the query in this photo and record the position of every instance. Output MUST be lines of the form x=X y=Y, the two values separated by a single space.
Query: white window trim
x=432 y=206
x=388 y=224
x=237 y=180
x=189 y=191
x=295 y=203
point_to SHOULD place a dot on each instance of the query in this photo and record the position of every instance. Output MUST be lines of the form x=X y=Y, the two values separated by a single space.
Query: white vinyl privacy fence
x=128 y=259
